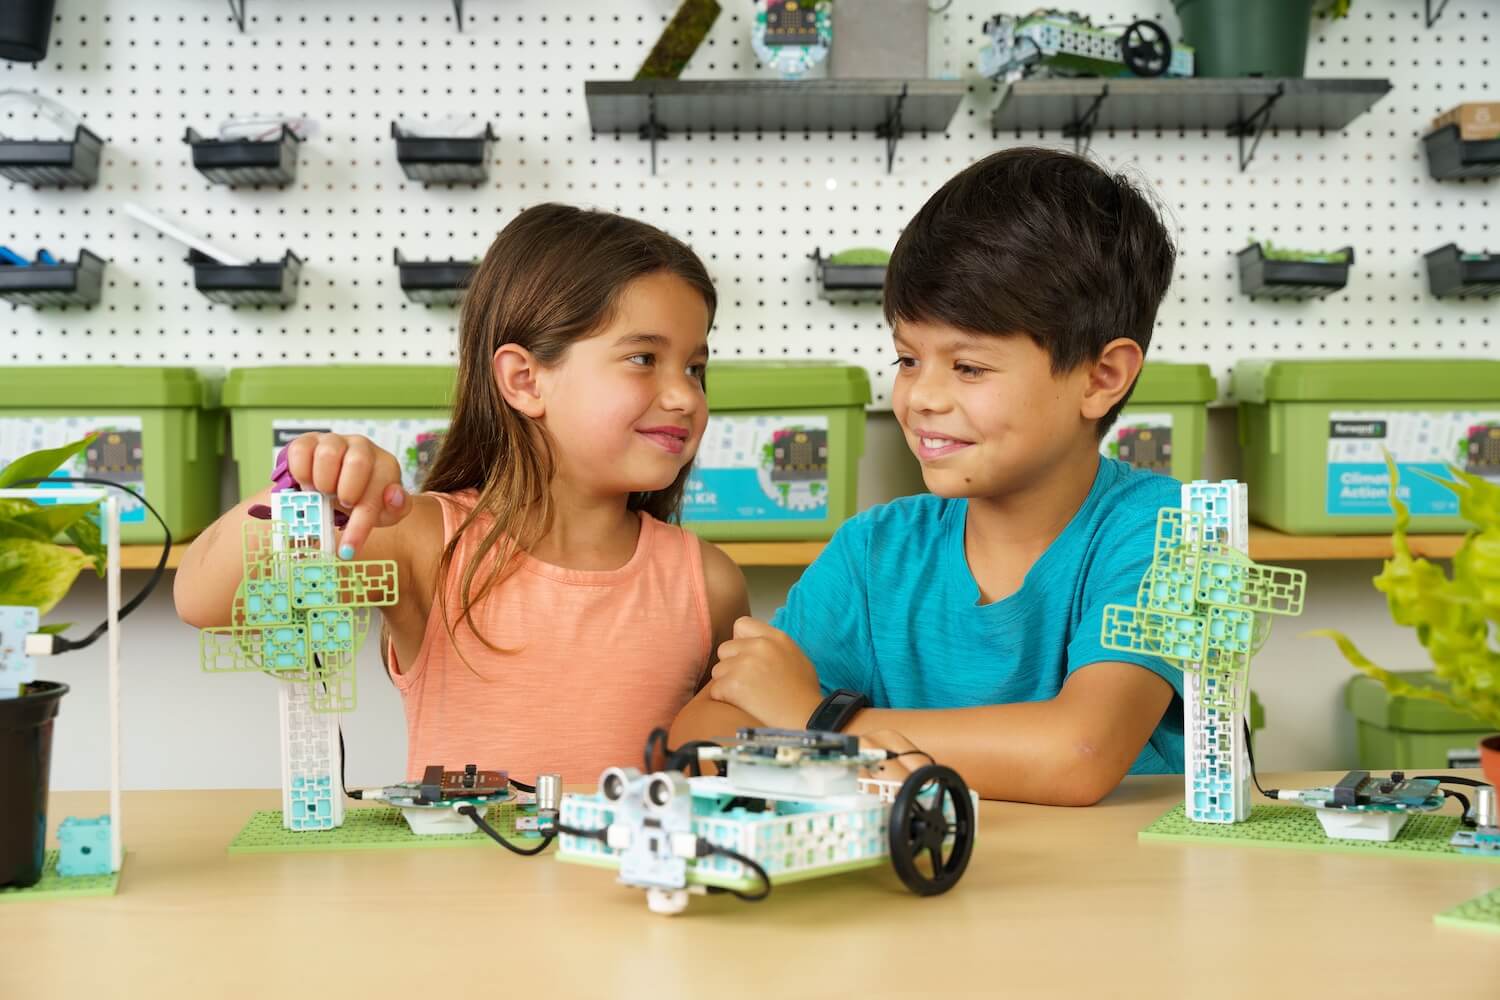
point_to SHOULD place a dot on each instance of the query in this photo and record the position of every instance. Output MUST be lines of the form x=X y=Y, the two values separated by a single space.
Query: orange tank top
x=600 y=659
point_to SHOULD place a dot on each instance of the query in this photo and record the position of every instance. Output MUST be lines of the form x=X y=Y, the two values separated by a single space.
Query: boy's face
x=984 y=415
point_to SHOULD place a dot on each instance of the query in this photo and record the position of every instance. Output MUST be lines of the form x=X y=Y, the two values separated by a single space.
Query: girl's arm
x=363 y=480
x=728 y=601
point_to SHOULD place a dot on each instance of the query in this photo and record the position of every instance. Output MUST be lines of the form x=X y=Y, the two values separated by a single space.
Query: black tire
x=918 y=828
x=1145 y=49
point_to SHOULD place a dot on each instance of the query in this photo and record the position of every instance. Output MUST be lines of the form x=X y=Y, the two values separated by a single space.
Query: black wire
x=1448 y=780
x=893 y=755
x=60 y=644
x=494 y=835
x=601 y=835
x=684 y=757
x=1250 y=756
x=521 y=786
x=705 y=848
x=1463 y=800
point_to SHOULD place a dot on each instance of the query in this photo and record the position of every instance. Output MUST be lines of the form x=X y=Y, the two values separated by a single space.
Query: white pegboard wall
x=140 y=73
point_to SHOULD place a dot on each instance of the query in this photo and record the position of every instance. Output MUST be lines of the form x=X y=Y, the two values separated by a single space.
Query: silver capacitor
x=548 y=793
x=1484 y=807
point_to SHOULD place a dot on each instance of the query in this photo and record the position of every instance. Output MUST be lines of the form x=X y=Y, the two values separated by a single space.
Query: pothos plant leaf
x=40 y=464
x=1452 y=616
x=37 y=574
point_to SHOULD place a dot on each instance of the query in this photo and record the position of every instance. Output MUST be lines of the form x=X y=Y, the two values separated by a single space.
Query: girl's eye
x=697 y=371
x=905 y=361
x=641 y=359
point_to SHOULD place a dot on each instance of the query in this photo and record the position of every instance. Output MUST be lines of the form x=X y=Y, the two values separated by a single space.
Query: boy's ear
x=1111 y=376
x=516 y=370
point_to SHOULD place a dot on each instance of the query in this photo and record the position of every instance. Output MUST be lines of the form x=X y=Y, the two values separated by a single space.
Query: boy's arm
x=728 y=601
x=1071 y=750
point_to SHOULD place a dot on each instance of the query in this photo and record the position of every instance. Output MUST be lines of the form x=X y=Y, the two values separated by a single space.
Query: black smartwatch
x=834 y=712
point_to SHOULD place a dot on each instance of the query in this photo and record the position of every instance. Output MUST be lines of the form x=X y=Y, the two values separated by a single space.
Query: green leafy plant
x=43 y=547
x=1271 y=251
x=1454 y=616
x=1332 y=8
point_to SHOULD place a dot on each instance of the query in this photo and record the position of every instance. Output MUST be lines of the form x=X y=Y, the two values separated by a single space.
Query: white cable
x=181 y=235
x=66 y=121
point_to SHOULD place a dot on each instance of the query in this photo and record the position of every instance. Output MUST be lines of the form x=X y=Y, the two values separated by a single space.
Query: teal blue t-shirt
x=890 y=608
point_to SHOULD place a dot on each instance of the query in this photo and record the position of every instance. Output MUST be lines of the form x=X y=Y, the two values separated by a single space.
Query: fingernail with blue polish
x=346 y=552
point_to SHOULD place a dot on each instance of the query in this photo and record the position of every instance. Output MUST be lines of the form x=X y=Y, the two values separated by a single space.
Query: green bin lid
x=1370 y=702
x=1161 y=382
x=785 y=385
x=94 y=386
x=1411 y=380
x=428 y=387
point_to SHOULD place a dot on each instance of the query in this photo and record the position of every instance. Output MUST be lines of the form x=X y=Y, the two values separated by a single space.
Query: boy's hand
x=362 y=479
x=763 y=672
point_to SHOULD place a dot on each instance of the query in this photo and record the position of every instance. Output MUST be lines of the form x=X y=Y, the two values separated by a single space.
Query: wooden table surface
x=1056 y=902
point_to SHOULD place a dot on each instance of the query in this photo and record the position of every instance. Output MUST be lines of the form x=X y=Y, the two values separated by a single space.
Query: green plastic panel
x=425 y=387
x=1296 y=828
x=54 y=886
x=1370 y=702
x=785 y=385
x=1481 y=914
x=95 y=386
x=1411 y=380
x=366 y=829
x=1163 y=382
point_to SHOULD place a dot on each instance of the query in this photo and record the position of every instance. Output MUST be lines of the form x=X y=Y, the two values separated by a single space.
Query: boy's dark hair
x=1039 y=242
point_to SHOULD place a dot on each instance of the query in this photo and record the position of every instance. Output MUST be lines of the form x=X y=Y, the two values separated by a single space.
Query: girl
x=550 y=614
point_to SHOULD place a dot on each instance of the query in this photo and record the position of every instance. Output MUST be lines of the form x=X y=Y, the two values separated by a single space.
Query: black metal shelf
x=260 y=283
x=1452 y=274
x=79 y=283
x=655 y=109
x=848 y=282
x=434 y=282
x=53 y=162
x=444 y=159
x=1263 y=277
x=246 y=162
x=1451 y=156
x=1243 y=107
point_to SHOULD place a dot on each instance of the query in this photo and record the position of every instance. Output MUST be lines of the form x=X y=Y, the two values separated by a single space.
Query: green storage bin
x=1313 y=433
x=1164 y=425
x=780 y=457
x=404 y=409
x=163 y=436
x=1410 y=733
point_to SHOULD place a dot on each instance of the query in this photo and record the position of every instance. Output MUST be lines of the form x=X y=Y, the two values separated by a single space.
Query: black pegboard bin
x=1451 y=157
x=1266 y=278
x=848 y=282
x=261 y=283
x=440 y=160
x=246 y=162
x=61 y=163
x=434 y=282
x=1450 y=276
x=79 y=283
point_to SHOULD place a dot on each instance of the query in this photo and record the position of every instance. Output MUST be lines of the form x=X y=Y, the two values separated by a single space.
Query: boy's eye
x=968 y=371
x=641 y=359
x=697 y=371
x=905 y=361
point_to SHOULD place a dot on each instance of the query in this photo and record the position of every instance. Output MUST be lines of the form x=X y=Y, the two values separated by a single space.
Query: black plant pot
x=25 y=29
x=25 y=765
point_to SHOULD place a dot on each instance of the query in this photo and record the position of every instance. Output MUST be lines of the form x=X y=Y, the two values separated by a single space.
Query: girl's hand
x=362 y=479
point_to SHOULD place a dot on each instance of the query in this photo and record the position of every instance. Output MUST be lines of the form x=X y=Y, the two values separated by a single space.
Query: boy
x=1021 y=299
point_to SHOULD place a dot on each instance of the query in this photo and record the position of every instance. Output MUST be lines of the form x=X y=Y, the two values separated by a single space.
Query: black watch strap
x=834 y=712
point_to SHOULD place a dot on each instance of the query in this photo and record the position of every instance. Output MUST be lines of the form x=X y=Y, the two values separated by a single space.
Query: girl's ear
x=516 y=370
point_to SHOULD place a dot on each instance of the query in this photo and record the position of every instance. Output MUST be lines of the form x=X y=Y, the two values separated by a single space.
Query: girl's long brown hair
x=552 y=277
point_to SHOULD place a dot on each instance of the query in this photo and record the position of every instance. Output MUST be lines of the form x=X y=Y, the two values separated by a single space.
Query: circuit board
x=1359 y=791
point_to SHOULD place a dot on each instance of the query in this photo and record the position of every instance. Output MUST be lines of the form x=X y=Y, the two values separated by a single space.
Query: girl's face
x=626 y=406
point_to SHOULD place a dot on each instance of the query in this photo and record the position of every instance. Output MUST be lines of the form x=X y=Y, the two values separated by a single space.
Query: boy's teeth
x=937 y=442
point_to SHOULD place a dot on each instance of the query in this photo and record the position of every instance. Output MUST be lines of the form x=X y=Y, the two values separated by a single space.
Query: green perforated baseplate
x=1481 y=913
x=364 y=829
x=54 y=886
x=1294 y=827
